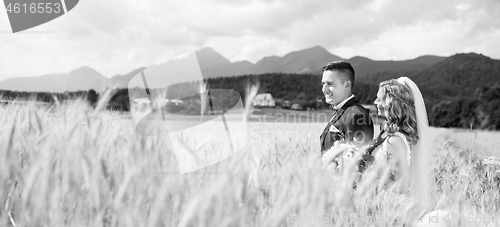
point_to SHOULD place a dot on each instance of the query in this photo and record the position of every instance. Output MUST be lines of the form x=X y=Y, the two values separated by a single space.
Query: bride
x=401 y=147
x=402 y=141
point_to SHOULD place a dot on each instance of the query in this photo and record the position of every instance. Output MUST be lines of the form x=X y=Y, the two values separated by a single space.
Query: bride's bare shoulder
x=396 y=142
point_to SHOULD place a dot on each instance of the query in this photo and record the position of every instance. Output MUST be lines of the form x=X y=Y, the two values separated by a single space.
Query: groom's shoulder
x=357 y=108
x=357 y=113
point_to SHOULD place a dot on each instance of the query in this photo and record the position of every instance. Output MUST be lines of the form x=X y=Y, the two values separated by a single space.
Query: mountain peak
x=85 y=72
x=208 y=57
x=207 y=50
x=308 y=60
x=470 y=56
x=359 y=59
x=313 y=50
x=83 y=69
x=317 y=48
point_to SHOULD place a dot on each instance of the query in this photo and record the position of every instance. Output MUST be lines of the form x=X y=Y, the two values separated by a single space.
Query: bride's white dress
x=383 y=157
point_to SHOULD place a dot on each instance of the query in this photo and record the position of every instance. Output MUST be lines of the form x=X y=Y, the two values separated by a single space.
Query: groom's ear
x=348 y=83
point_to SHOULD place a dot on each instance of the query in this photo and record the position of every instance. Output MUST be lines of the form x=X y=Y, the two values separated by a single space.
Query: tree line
x=480 y=111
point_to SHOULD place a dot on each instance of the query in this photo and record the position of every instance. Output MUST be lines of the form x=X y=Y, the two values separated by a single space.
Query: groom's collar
x=340 y=105
x=346 y=104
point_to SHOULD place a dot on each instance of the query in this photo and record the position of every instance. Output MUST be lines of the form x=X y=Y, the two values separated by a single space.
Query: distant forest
x=49 y=97
x=478 y=111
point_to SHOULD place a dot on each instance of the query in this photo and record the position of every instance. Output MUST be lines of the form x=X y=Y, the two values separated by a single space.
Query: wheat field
x=71 y=165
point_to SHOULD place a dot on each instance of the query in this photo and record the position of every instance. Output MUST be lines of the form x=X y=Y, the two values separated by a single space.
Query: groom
x=350 y=121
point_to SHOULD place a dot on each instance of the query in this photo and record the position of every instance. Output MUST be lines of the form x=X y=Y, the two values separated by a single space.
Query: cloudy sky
x=117 y=36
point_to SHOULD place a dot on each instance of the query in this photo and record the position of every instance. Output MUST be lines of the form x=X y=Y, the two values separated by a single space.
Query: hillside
x=84 y=78
x=366 y=67
x=459 y=75
x=121 y=81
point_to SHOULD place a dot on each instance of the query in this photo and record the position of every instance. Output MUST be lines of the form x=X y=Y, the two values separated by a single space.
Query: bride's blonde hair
x=399 y=109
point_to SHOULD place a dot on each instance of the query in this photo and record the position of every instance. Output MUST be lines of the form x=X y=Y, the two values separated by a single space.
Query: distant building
x=157 y=103
x=320 y=103
x=264 y=100
x=279 y=101
x=286 y=104
x=296 y=106
x=176 y=101
x=141 y=101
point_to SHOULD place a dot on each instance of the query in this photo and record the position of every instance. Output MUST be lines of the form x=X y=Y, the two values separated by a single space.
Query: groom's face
x=335 y=88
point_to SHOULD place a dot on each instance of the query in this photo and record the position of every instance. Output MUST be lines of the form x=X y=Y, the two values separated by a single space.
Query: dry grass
x=67 y=165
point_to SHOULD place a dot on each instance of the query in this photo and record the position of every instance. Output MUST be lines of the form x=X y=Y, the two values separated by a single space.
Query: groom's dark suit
x=351 y=122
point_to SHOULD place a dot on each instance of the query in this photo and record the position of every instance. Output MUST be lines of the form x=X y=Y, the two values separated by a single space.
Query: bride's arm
x=397 y=149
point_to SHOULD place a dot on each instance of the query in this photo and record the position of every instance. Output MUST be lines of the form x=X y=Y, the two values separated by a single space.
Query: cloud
x=117 y=36
x=213 y=18
x=445 y=38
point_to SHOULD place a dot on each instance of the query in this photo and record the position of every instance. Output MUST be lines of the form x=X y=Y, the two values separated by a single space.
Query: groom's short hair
x=341 y=66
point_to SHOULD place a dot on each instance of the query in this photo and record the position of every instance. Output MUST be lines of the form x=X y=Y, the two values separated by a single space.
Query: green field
x=69 y=165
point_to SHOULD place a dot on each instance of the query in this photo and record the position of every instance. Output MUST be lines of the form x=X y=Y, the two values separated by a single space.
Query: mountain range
x=84 y=78
x=212 y=64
